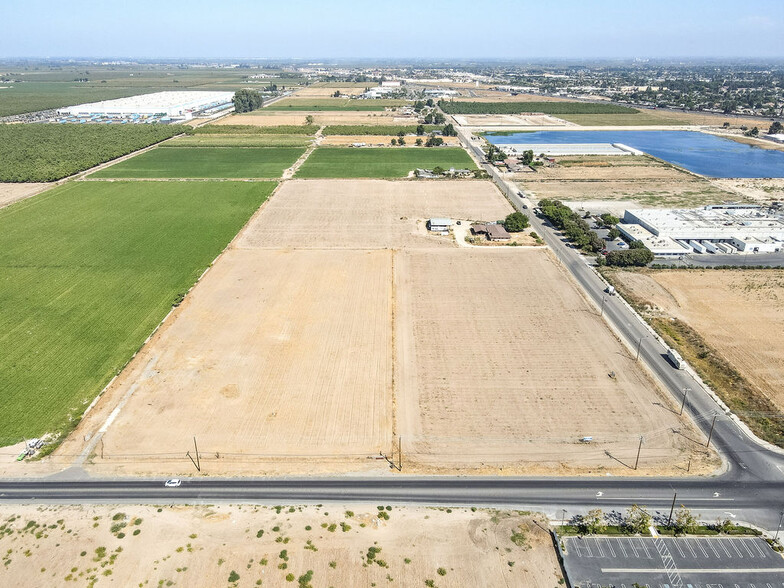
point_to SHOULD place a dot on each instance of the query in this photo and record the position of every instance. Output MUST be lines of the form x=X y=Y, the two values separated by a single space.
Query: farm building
x=172 y=105
x=439 y=225
x=494 y=232
x=725 y=228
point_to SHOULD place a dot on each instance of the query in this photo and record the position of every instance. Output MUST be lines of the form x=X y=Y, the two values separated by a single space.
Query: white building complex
x=725 y=228
x=172 y=106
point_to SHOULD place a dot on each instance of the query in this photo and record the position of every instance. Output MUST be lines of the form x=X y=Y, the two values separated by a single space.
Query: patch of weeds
x=289 y=577
x=332 y=528
x=193 y=536
x=519 y=538
x=407 y=560
x=119 y=516
x=259 y=533
x=441 y=571
x=333 y=564
x=372 y=552
x=100 y=553
x=349 y=514
x=263 y=561
x=136 y=532
x=308 y=527
x=510 y=564
x=233 y=576
x=309 y=545
x=383 y=515
x=304 y=579
x=430 y=583
x=283 y=566
x=284 y=555
x=221 y=561
x=275 y=529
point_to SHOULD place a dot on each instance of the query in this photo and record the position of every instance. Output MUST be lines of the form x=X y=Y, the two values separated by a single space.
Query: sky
x=425 y=29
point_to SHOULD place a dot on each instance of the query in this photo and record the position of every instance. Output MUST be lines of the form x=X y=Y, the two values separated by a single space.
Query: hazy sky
x=513 y=29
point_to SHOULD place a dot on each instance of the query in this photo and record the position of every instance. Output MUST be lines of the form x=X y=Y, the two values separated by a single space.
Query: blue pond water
x=708 y=155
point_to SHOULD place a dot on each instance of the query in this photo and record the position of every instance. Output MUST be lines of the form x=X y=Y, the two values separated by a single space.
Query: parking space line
x=758 y=549
x=699 y=544
x=631 y=544
x=623 y=549
x=743 y=542
x=576 y=544
x=713 y=547
x=721 y=544
x=644 y=548
x=609 y=546
x=598 y=547
x=735 y=547
x=587 y=548
x=688 y=546
x=675 y=542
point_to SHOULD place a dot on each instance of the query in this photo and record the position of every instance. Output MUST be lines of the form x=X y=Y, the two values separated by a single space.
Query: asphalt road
x=751 y=489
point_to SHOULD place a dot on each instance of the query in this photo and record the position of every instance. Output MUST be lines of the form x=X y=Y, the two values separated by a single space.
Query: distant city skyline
x=346 y=29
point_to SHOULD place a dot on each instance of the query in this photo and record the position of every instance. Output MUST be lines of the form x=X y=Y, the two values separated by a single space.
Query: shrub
x=441 y=571
x=233 y=576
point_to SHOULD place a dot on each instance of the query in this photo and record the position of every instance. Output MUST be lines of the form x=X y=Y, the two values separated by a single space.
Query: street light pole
x=776 y=538
x=604 y=299
x=639 y=448
x=685 y=391
x=639 y=344
x=710 y=435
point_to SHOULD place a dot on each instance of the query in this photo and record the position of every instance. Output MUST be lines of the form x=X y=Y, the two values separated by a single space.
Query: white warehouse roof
x=168 y=103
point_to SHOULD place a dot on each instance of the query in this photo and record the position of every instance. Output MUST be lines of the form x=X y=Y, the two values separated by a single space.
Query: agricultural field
x=88 y=270
x=205 y=162
x=375 y=140
x=734 y=316
x=229 y=128
x=632 y=180
x=229 y=545
x=484 y=370
x=368 y=214
x=10 y=193
x=340 y=162
x=272 y=118
x=554 y=108
x=237 y=140
x=327 y=104
x=376 y=129
x=509 y=120
x=44 y=152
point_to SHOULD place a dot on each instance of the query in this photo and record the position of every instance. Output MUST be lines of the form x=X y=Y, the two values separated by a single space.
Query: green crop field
x=382 y=162
x=205 y=162
x=87 y=271
x=376 y=129
x=554 y=108
x=256 y=130
x=44 y=152
x=327 y=104
x=234 y=140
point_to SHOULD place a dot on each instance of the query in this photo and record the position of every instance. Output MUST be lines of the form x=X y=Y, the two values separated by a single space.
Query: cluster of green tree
x=420 y=105
x=516 y=222
x=246 y=100
x=609 y=220
x=494 y=153
x=521 y=107
x=420 y=130
x=255 y=130
x=638 y=520
x=574 y=227
x=636 y=255
x=776 y=128
x=528 y=157
x=44 y=153
x=434 y=118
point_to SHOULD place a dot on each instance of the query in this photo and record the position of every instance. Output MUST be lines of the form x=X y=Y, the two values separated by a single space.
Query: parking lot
x=704 y=562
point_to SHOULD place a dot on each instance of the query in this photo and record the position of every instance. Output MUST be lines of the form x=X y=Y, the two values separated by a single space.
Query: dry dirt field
x=265 y=118
x=377 y=140
x=368 y=214
x=202 y=546
x=738 y=313
x=646 y=181
x=507 y=366
x=762 y=191
x=328 y=92
x=10 y=193
x=508 y=120
x=276 y=354
x=335 y=324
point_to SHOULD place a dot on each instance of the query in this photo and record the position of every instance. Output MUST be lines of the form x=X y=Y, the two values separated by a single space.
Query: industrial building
x=725 y=228
x=439 y=225
x=159 y=106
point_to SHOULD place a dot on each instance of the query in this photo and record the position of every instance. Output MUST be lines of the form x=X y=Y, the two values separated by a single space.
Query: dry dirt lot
x=203 y=545
x=369 y=214
x=329 y=92
x=277 y=353
x=10 y=193
x=336 y=324
x=508 y=120
x=506 y=365
x=738 y=313
x=643 y=180
x=377 y=140
x=271 y=118
x=762 y=191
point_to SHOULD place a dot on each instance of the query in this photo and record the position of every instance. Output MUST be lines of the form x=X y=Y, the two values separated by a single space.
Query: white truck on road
x=676 y=359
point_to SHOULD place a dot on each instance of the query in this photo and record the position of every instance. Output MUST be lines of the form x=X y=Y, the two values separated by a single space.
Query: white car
x=173 y=483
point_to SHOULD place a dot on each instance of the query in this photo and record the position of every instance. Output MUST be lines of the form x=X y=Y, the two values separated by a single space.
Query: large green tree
x=246 y=100
x=516 y=222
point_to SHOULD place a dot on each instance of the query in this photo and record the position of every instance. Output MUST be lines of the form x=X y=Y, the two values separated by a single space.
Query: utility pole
x=639 y=448
x=197 y=461
x=710 y=435
x=776 y=538
x=672 y=508
x=563 y=517
x=400 y=454
x=683 y=403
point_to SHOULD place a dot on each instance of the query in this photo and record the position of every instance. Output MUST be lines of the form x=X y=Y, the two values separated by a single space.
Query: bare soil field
x=271 y=118
x=506 y=366
x=738 y=313
x=246 y=545
x=329 y=92
x=369 y=214
x=762 y=191
x=275 y=354
x=508 y=120
x=643 y=180
x=10 y=193
x=377 y=140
